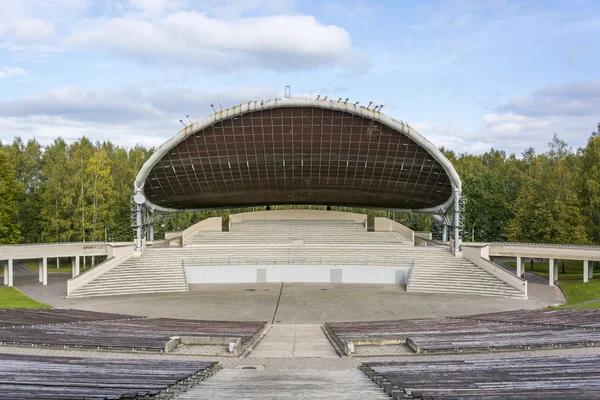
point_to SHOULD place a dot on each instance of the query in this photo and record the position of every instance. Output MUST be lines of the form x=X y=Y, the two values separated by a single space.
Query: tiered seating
x=566 y=318
x=115 y=333
x=463 y=334
x=37 y=377
x=10 y=317
x=570 y=377
x=287 y=233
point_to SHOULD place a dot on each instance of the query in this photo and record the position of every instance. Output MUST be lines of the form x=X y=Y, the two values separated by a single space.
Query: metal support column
x=586 y=271
x=150 y=234
x=456 y=220
x=138 y=229
x=444 y=229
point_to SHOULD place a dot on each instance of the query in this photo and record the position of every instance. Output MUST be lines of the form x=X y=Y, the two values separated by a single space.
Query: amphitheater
x=308 y=301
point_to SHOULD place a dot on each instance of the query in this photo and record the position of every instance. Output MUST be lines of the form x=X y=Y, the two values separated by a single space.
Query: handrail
x=410 y=274
x=284 y=260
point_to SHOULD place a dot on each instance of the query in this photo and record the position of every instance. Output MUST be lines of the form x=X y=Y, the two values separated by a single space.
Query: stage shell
x=298 y=151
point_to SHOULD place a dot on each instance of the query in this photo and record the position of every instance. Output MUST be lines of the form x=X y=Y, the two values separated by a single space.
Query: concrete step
x=286 y=384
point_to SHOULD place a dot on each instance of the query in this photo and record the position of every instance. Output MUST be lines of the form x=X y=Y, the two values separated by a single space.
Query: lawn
x=579 y=292
x=573 y=268
x=12 y=298
x=65 y=266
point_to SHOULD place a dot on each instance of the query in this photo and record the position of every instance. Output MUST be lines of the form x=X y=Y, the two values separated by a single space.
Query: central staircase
x=281 y=242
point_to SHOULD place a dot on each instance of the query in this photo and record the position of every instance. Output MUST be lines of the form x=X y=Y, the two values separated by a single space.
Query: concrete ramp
x=294 y=341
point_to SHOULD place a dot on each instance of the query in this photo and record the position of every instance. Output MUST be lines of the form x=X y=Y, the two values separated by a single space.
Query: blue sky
x=469 y=75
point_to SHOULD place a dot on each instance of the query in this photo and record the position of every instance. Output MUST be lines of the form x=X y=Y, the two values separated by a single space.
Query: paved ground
x=291 y=303
x=293 y=340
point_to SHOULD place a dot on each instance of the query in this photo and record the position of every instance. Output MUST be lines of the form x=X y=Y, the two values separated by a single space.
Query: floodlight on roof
x=188 y=117
x=340 y=99
x=325 y=98
x=213 y=107
x=356 y=103
x=347 y=98
x=221 y=105
x=380 y=107
x=370 y=104
x=318 y=96
x=182 y=123
x=375 y=108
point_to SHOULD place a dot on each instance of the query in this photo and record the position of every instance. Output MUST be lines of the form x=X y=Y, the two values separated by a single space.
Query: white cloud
x=569 y=99
x=13 y=73
x=290 y=41
x=124 y=116
x=569 y=110
x=30 y=30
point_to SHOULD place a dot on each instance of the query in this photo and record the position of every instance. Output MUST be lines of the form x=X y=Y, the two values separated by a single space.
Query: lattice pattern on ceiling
x=298 y=155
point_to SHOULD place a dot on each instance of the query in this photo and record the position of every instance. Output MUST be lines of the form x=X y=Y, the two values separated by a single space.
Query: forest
x=80 y=191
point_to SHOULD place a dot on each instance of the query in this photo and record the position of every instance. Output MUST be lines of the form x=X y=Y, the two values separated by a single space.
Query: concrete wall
x=290 y=215
x=52 y=250
x=209 y=224
x=296 y=273
x=387 y=225
x=480 y=257
x=556 y=252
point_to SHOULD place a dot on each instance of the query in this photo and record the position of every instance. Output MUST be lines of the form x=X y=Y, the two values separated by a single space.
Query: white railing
x=285 y=260
x=120 y=255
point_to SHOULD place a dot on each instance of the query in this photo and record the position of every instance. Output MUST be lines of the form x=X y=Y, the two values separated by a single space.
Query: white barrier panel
x=296 y=273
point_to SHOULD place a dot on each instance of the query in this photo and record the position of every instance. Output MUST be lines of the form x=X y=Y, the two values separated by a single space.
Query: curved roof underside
x=289 y=151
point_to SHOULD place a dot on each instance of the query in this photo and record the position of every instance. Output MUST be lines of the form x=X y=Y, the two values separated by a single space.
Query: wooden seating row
x=565 y=377
x=139 y=334
x=19 y=317
x=589 y=319
x=506 y=331
x=40 y=377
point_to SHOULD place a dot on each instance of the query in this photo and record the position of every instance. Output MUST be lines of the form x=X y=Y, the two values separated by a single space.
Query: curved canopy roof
x=298 y=151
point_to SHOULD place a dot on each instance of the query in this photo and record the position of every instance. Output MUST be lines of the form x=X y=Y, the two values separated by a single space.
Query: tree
x=26 y=159
x=10 y=191
x=100 y=194
x=548 y=209
x=589 y=185
x=57 y=200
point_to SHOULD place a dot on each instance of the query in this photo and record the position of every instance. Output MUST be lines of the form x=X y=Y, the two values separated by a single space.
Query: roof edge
x=257 y=105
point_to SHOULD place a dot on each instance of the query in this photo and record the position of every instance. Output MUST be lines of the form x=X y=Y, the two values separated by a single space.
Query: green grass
x=573 y=268
x=65 y=266
x=12 y=298
x=579 y=292
x=582 y=306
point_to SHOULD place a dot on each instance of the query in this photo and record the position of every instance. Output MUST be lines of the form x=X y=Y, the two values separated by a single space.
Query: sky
x=470 y=75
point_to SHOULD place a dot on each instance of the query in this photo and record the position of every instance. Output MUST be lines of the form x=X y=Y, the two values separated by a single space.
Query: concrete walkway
x=285 y=384
x=294 y=341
